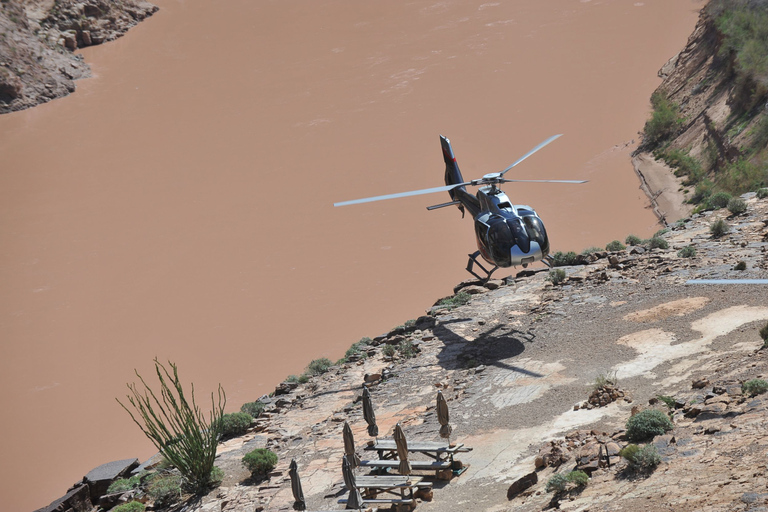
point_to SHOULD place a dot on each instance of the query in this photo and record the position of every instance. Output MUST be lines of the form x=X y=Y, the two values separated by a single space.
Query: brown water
x=179 y=205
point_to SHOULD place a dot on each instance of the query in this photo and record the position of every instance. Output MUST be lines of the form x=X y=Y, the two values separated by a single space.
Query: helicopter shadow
x=493 y=347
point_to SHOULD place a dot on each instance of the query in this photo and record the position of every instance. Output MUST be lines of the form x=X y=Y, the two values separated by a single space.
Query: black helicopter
x=507 y=235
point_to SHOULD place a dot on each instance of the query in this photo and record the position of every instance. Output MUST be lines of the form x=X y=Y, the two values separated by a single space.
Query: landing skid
x=548 y=260
x=473 y=261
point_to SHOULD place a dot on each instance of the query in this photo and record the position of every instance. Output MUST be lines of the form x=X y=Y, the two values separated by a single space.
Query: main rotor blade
x=402 y=194
x=544 y=181
x=530 y=153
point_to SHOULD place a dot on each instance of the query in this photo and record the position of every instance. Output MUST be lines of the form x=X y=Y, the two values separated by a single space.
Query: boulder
x=522 y=484
x=99 y=478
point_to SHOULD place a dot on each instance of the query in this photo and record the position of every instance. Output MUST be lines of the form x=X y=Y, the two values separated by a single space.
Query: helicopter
x=507 y=235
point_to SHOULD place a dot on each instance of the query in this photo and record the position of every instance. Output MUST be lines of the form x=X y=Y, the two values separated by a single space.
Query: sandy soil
x=663 y=188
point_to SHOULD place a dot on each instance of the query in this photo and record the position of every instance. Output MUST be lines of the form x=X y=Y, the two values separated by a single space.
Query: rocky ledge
x=38 y=38
x=519 y=360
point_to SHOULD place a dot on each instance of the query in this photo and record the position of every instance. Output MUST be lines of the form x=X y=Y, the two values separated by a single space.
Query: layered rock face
x=37 y=40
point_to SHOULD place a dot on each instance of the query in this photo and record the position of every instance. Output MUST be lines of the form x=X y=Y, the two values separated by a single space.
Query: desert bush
x=641 y=459
x=665 y=119
x=615 y=246
x=557 y=483
x=556 y=276
x=590 y=250
x=754 y=387
x=604 y=379
x=407 y=349
x=688 y=251
x=633 y=240
x=661 y=232
x=178 y=427
x=658 y=243
x=668 y=401
x=762 y=193
x=124 y=484
x=254 y=409
x=389 y=350
x=457 y=300
x=737 y=206
x=131 y=506
x=719 y=228
x=319 y=366
x=764 y=334
x=165 y=489
x=741 y=265
x=234 y=424
x=684 y=165
x=647 y=424
x=719 y=200
x=357 y=349
x=564 y=259
x=260 y=462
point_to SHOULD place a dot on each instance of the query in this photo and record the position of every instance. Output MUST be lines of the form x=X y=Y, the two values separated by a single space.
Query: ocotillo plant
x=178 y=428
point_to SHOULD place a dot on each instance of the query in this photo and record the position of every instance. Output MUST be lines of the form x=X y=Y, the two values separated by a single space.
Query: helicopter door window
x=505 y=206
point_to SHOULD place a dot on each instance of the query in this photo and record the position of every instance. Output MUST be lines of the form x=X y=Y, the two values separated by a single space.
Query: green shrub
x=658 y=243
x=762 y=193
x=131 y=506
x=754 y=387
x=457 y=300
x=260 y=462
x=254 y=409
x=605 y=379
x=615 y=246
x=764 y=333
x=741 y=265
x=389 y=350
x=217 y=476
x=633 y=240
x=665 y=119
x=165 y=489
x=357 y=349
x=661 y=232
x=557 y=483
x=647 y=424
x=578 y=477
x=688 y=251
x=668 y=401
x=737 y=206
x=319 y=366
x=641 y=459
x=177 y=426
x=719 y=200
x=124 y=484
x=684 y=165
x=235 y=424
x=407 y=349
x=591 y=250
x=719 y=228
x=564 y=259
x=556 y=276
x=304 y=378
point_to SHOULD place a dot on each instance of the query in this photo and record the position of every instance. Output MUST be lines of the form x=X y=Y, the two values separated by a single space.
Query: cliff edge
x=38 y=39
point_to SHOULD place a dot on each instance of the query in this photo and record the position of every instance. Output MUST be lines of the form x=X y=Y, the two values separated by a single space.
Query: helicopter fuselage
x=507 y=235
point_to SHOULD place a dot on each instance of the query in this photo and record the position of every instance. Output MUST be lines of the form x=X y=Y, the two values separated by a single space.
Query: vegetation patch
x=614 y=246
x=235 y=424
x=457 y=300
x=556 y=276
x=647 y=424
x=737 y=206
x=643 y=459
x=719 y=228
x=564 y=259
x=319 y=366
x=131 y=506
x=633 y=240
x=254 y=409
x=260 y=462
x=658 y=243
x=165 y=489
x=754 y=387
x=561 y=481
x=689 y=251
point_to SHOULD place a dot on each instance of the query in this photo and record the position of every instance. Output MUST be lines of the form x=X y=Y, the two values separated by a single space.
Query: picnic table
x=389 y=489
x=436 y=450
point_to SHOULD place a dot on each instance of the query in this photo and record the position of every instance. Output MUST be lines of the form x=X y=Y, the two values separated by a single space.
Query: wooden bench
x=420 y=465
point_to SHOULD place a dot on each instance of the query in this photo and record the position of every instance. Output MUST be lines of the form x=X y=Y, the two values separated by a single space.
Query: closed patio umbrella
x=355 y=500
x=402 y=451
x=442 y=416
x=298 y=492
x=349 y=446
x=368 y=415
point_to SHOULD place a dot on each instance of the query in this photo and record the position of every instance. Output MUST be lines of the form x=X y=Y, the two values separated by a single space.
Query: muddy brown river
x=179 y=204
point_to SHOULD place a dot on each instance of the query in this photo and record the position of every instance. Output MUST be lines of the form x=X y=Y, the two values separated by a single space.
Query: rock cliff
x=709 y=126
x=38 y=38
